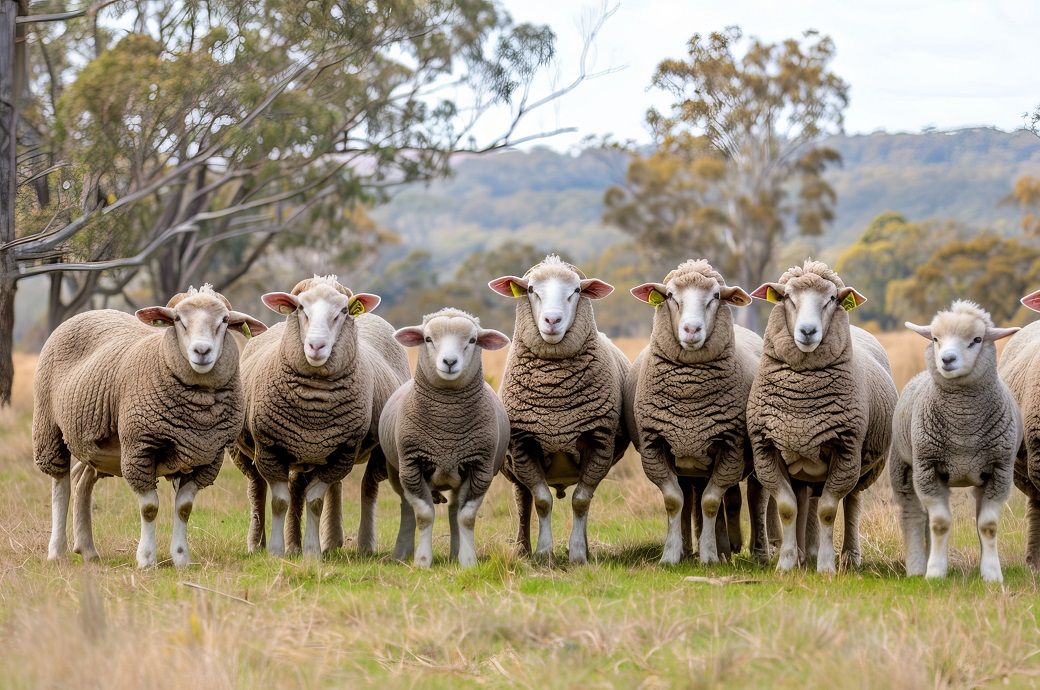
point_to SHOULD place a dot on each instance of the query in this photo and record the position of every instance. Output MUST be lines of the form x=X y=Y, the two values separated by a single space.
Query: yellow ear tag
x=517 y=292
x=357 y=308
x=245 y=330
x=849 y=303
x=655 y=298
x=285 y=309
x=772 y=295
x=159 y=323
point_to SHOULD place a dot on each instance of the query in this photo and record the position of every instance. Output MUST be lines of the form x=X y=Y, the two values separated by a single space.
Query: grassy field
x=234 y=620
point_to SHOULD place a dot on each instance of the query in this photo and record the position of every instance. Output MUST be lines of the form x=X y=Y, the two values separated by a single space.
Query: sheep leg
x=148 y=503
x=256 y=490
x=658 y=471
x=183 y=501
x=422 y=507
x=543 y=506
x=524 y=501
x=314 y=497
x=61 y=489
x=375 y=472
x=803 y=494
x=987 y=517
x=404 y=548
x=453 y=525
x=827 y=512
x=787 y=505
x=937 y=503
x=711 y=502
x=332 y=518
x=298 y=483
x=774 y=530
x=811 y=531
x=757 y=502
x=84 y=477
x=731 y=503
x=851 y=554
x=279 y=507
x=467 y=522
x=686 y=516
x=1033 y=543
x=913 y=518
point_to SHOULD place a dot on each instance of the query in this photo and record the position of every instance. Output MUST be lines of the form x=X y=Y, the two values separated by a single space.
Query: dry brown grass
x=621 y=621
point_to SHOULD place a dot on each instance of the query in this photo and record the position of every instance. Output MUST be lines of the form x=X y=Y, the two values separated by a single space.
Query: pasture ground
x=235 y=620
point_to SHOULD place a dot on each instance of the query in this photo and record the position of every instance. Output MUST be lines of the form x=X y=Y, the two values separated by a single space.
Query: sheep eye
x=225 y=319
x=935 y=340
x=833 y=297
x=669 y=296
x=429 y=339
x=717 y=295
x=472 y=341
x=577 y=290
x=344 y=310
x=977 y=341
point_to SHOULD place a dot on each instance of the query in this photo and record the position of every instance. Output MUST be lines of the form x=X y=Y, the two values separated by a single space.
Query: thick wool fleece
x=1020 y=370
x=121 y=397
x=955 y=432
x=563 y=398
x=831 y=406
x=317 y=421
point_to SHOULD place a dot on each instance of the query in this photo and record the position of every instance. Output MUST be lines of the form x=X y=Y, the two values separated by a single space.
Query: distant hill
x=555 y=200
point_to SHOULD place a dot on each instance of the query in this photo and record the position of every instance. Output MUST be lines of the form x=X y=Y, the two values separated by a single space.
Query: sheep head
x=450 y=342
x=957 y=336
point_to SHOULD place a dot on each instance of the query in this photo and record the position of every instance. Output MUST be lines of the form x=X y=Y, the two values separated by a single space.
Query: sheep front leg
x=772 y=474
x=375 y=472
x=314 y=499
x=183 y=501
x=148 y=503
x=61 y=489
x=524 y=500
x=404 y=547
x=725 y=475
x=528 y=471
x=332 y=518
x=758 y=500
x=453 y=524
x=84 y=478
x=989 y=502
x=935 y=497
x=593 y=470
x=279 y=508
x=842 y=478
x=656 y=468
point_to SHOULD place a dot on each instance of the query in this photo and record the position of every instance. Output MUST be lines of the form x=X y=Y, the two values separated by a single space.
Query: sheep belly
x=693 y=466
x=563 y=470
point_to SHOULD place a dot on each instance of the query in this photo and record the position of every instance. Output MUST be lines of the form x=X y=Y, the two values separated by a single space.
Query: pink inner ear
x=492 y=340
x=642 y=292
x=369 y=300
x=761 y=292
x=503 y=285
x=1032 y=301
x=412 y=336
x=593 y=288
x=152 y=315
x=281 y=302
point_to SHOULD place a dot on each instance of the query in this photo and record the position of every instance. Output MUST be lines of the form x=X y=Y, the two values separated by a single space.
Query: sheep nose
x=316 y=346
x=692 y=330
x=450 y=362
x=808 y=331
x=201 y=350
x=949 y=359
x=553 y=320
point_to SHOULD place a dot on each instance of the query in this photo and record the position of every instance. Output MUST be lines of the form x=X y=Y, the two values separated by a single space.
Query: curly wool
x=120 y=396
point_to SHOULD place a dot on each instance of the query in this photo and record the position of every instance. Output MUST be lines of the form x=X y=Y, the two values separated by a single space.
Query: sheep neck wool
x=341 y=359
x=833 y=349
x=580 y=336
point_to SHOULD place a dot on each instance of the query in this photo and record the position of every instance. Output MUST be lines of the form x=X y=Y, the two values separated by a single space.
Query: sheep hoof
x=788 y=560
x=991 y=573
x=89 y=554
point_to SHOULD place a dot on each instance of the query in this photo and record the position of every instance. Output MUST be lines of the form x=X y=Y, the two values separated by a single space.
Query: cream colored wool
x=307 y=423
x=692 y=404
x=831 y=406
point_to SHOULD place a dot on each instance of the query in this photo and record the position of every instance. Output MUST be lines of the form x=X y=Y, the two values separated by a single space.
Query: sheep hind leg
x=731 y=502
x=1033 y=543
x=332 y=518
x=279 y=508
x=453 y=525
x=543 y=506
x=404 y=547
x=375 y=472
x=61 y=490
x=758 y=500
x=256 y=490
x=524 y=501
x=298 y=483
x=686 y=519
x=84 y=477
x=314 y=499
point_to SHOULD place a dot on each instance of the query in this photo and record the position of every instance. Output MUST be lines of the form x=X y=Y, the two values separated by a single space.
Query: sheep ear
x=363 y=302
x=1032 y=300
x=247 y=324
x=281 y=302
x=849 y=298
x=735 y=296
x=155 y=316
x=923 y=331
x=412 y=336
x=594 y=288
x=651 y=293
x=509 y=286
x=998 y=333
x=490 y=339
x=770 y=292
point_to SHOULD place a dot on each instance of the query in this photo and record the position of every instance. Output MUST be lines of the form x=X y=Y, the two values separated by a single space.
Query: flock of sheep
x=807 y=414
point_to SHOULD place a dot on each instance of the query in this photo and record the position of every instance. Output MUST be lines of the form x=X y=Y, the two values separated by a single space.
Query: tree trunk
x=8 y=118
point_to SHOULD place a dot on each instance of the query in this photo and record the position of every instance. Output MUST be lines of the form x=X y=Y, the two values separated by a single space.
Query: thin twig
x=216 y=591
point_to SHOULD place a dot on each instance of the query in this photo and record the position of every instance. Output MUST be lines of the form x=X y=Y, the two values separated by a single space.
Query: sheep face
x=200 y=321
x=809 y=305
x=451 y=344
x=693 y=302
x=958 y=335
x=323 y=313
x=553 y=289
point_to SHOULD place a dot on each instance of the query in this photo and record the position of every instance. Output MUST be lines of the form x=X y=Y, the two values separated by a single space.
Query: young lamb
x=685 y=409
x=562 y=388
x=956 y=424
x=444 y=430
x=1020 y=370
x=125 y=399
x=820 y=409
x=315 y=386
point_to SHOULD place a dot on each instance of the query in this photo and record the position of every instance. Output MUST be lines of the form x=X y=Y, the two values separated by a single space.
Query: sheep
x=1020 y=370
x=562 y=389
x=315 y=386
x=956 y=424
x=820 y=409
x=685 y=409
x=444 y=430
x=125 y=399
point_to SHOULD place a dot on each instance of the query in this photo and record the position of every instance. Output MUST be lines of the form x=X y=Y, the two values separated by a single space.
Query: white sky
x=938 y=63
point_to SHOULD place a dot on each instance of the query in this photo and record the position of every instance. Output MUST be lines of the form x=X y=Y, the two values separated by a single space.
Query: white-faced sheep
x=445 y=430
x=685 y=408
x=125 y=399
x=1020 y=370
x=956 y=424
x=315 y=386
x=820 y=409
x=562 y=388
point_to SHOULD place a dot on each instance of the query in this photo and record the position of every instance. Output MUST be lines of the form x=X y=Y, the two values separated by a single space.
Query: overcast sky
x=910 y=64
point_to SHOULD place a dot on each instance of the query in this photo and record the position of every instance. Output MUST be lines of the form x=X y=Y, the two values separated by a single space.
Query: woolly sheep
x=126 y=400
x=1020 y=370
x=820 y=409
x=685 y=408
x=315 y=386
x=956 y=424
x=444 y=430
x=562 y=388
